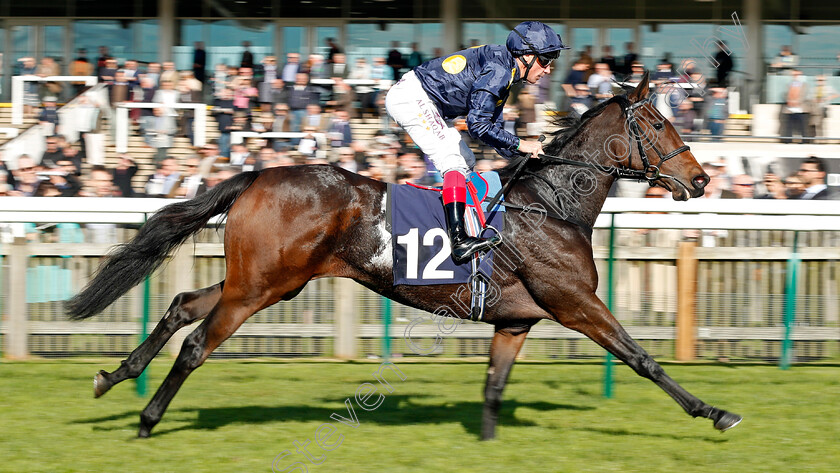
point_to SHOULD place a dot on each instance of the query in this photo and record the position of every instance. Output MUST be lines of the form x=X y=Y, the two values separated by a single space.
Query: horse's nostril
x=700 y=181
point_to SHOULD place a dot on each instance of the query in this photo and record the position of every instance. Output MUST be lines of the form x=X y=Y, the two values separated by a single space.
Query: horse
x=286 y=226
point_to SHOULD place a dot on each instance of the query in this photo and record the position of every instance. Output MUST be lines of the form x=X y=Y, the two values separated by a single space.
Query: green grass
x=238 y=416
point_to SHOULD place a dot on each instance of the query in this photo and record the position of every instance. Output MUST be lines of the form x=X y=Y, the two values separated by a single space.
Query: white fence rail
x=338 y=303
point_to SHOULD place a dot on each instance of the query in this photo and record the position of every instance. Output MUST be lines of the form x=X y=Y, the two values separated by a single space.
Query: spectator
x=169 y=73
x=189 y=91
x=582 y=100
x=291 y=69
x=308 y=145
x=153 y=73
x=343 y=98
x=161 y=133
x=30 y=89
x=282 y=122
x=576 y=76
x=167 y=96
x=347 y=159
x=637 y=71
x=725 y=64
x=80 y=67
x=71 y=156
x=601 y=82
x=630 y=58
x=191 y=183
x=210 y=156
x=247 y=55
x=47 y=68
x=131 y=74
x=238 y=154
x=685 y=118
x=794 y=186
x=608 y=58
x=340 y=133
x=63 y=180
x=163 y=182
x=315 y=118
x=365 y=93
x=223 y=112
x=199 y=66
x=147 y=95
x=812 y=173
x=266 y=87
x=101 y=61
x=219 y=80
x=299 y=97
x=717 y=112
x=101 y=184
x=395 y=60
x=26 y=178
x=785 y=61
x=526 y=101
x=822 y=96
x=415 y=58
x=52 y=153
x=48 y=118
x=108 y=74
x=774 y=186
x=334 y=50
x=119 y=89
x=743 y=187
x=338 y=68
x=123 y=174
x=795 y=110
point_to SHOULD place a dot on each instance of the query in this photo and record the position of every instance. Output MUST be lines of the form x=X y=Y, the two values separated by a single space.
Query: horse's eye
x=658 y=126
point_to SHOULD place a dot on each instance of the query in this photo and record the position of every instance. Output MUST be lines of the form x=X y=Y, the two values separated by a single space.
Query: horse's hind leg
x=234 y=307
x=506 y=344
x=185 y=309
x=595 y=321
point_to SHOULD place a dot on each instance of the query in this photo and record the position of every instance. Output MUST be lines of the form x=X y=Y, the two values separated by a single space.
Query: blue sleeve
x=483 y=122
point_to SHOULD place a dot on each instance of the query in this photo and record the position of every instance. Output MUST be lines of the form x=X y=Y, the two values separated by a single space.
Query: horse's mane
x=568 y=126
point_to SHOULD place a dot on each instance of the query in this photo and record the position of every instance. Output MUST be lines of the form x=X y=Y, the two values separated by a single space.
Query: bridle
x=650 y=172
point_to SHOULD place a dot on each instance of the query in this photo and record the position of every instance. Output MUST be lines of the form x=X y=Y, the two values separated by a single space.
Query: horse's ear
x=642 y=90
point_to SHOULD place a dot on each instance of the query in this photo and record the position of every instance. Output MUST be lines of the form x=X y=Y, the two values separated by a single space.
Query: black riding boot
x=464 y=246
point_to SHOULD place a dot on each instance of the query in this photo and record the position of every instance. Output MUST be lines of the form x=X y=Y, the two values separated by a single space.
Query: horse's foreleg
x=185 y=309
x=506 y=344
x=595 y=321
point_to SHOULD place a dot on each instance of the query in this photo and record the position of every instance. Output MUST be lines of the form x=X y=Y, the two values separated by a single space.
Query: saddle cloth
x=422 y=254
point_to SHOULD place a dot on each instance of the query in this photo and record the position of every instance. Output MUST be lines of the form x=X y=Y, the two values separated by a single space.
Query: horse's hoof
x=101 y=385
x=727 y=420
x=144 y=432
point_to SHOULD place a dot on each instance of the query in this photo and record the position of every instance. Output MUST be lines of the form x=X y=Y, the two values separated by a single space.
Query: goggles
x=546 y=59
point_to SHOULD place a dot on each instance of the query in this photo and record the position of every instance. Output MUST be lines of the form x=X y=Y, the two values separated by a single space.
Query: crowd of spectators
x=309 y=103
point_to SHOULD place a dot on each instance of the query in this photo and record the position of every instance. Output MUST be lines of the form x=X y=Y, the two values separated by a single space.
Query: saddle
x=421 y=252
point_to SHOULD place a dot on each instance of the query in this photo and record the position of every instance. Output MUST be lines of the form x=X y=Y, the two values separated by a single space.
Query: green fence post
x=790 y=304
x=141 y=381
x=608 y=360
x=386 y=328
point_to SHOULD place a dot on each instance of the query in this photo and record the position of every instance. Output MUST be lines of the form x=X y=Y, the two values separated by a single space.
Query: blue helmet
x=534 y=37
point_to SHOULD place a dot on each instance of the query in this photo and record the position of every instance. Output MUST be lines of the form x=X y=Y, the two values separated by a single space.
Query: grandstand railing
x=122 y=126
x=18 y=90
x=738 y=302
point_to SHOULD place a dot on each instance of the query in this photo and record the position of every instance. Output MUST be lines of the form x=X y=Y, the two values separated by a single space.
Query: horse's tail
x=167 y=229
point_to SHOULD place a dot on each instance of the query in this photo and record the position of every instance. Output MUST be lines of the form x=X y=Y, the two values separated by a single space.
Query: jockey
x=474 y=82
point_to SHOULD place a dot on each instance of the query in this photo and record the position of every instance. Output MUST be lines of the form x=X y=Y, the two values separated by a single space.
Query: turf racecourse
x=239 y=416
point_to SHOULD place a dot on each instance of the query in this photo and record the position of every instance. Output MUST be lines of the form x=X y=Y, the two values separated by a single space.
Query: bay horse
x=287 y=226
